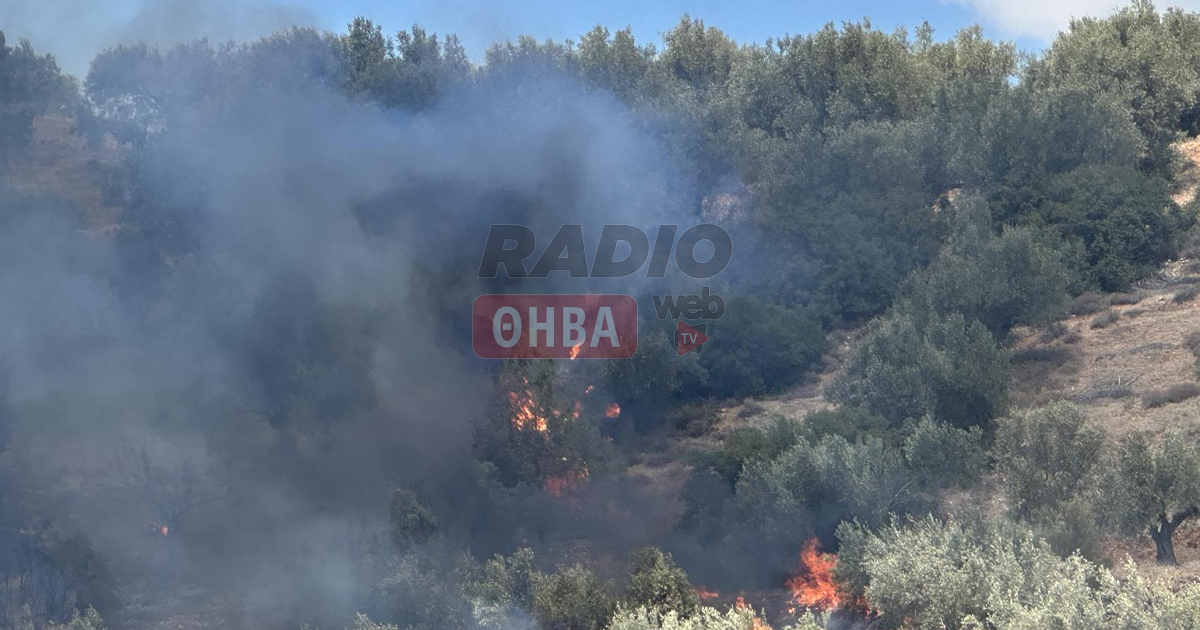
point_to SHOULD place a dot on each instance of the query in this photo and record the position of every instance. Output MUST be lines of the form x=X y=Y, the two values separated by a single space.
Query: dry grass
x=1189 y=181
x=63 y=165
x=1106 y=319
x=1114 y=366
x=1168 y=396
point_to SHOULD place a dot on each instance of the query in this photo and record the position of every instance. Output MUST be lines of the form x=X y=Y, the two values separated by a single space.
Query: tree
x=997 y=575
x=572 y=598
x=30 y=85
x=735 y=618
x=1138 y=55
x=1001 y=281
x=656 y=582
x=1047 y=456
x=761 y=347
x=411 y=522
x=1155 y=488
x=942 y=455
x=834 y=479
x=951 y=369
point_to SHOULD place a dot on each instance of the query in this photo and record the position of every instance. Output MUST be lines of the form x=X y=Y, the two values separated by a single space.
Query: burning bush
x=541 y=433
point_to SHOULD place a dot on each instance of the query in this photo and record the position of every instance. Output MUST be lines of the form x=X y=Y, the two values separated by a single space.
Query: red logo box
x=557 y=327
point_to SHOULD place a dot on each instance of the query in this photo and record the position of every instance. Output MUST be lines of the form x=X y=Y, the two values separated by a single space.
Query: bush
x=363 y=622
x=929 y=574
x=654 y=376
x=1105 y=320
x=736 y=618
x=572 y=599
x=1170 y=395
x=87 y=620
x=1118 y=215
x=411 y=522
x=760 y=347
x=850 y=423
x=1001 y=281
x=1046 y=456
x=941 y=455
x=1125 y=299
x=1089 y=303
x=866 y=480
x=745 y=444
x=948 y=369
x=656 y=583
x=1186 y=295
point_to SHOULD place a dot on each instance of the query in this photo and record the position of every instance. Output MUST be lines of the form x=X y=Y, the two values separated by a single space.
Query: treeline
x=939 y=192
x=851 y=159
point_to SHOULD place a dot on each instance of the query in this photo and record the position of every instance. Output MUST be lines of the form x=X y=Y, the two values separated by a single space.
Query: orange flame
x=613 y=411
x=757 y=623
x=165 y=530
x=524 y=411
x=561 y=484
x=813 y=586
x=575 y=350
x=589 y=389
x=706 y=594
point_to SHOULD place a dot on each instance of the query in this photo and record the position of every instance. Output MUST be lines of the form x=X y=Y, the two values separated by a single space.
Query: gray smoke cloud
x=75 y=30
x=329 y=248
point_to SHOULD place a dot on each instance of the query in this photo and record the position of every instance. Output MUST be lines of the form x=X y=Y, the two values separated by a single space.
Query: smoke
x=75 y=30
x=294 y=349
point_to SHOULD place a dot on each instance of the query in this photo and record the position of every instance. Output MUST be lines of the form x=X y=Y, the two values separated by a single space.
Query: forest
x=237 y=387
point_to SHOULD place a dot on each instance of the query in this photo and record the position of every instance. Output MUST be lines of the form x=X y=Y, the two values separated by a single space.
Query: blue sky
x=479 y=22
x=75 y=30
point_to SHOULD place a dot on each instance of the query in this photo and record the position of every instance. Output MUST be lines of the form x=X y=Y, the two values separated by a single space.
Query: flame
x=613 y=411
x=757 y=623
x=561 y=484
x=813 y=586
x=575 y=350
x=589 y=389
x=165 y=530
x=705 y=594
x=524 y=411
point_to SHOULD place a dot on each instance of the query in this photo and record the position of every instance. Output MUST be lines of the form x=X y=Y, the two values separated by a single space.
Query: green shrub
x=411 y=522
x=759 y=347
x=745 y=444
x=851 y=423
x=865 y=480
x=942 y=455
x=735 y=618
x=1001 y=281
x=929 y=574
x=949 y=369
x=86 y=620
x=1047 y=456
x=572 y=599
x=656 y=583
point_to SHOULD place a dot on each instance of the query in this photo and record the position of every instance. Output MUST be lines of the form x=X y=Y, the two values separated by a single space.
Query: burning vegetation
x=252 y=258
x=813 y=586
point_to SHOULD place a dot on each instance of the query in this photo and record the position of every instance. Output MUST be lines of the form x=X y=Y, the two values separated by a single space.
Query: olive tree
x=1046 y=456
x=1155 y=488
